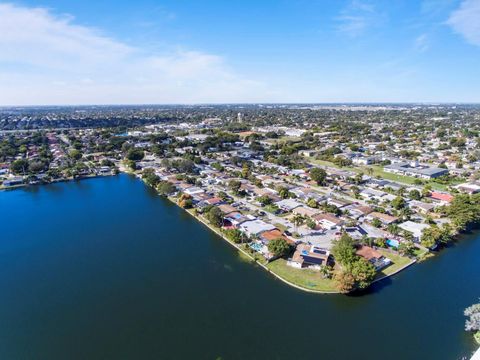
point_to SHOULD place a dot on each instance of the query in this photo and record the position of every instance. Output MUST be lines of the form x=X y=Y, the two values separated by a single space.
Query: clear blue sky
x=179 y=51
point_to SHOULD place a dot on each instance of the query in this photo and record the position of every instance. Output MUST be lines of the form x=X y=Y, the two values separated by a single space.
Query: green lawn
x=419 y=252
x=327 y=163
x=476 y=336
x=270 y=208
x=284 y=139
x=305 y=278
x=378 y=171
x=280 y=226
x=398 y=261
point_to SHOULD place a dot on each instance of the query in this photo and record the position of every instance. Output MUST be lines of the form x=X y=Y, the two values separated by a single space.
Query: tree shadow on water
x=375 y=288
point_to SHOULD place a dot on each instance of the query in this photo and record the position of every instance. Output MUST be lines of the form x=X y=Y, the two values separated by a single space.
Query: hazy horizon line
x=249 y=103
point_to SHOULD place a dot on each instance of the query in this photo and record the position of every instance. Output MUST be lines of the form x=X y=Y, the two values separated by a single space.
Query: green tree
x=215 y=216
x=165 y=188
x=235 y=235
x=131 y=164
x=279 y=247
x=406 y=248
x=393 y=229
x=264 y=200
x=318 y=175
x=311 y=224
x=135 y=154
x=245 y=170
x=415 y=194
x=75 y=154
x=376 y=222
x=234 y=186
x=283 y=192
x=399 y=203
x=343 y=249
x=150 y=177
x=19 y=167
x=297 y=220
x=363 y=272
x=312 y=203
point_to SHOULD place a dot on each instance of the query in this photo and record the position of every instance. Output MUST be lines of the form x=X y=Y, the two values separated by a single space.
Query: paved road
x=316 y=237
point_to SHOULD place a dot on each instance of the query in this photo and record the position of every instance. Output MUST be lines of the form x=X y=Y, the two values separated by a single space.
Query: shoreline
x=21 y=186
x=249 y=256
x=220 y=234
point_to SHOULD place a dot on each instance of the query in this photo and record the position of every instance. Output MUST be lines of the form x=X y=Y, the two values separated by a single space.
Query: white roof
x=194 y=190
x=288 y=204
x=256 y=227
x=414 y=228
x=474 y=187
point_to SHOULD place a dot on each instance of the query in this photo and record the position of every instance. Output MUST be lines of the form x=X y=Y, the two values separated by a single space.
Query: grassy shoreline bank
x=302 y=279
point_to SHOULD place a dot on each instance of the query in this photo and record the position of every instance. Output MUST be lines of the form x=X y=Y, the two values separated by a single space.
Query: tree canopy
x=318 y=175
x=279 y=247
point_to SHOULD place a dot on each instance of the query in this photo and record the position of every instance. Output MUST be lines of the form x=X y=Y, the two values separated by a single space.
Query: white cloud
x=48 y=59
x=422 y=43
x=466 y=21
x=357 y=17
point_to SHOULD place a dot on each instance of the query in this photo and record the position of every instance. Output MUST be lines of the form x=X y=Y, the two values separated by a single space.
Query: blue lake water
x=106 y=269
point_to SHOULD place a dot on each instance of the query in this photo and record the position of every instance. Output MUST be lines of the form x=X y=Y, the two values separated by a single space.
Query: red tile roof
x=275 y=234
x=368 y=253
x=441 y=196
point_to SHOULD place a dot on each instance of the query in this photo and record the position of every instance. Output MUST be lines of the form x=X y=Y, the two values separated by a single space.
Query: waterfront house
x=309 y=256
x=373 y=256
x=415 y=228
x=255 y=227
x=13 y=181
x=234 y=219
x=274 y=234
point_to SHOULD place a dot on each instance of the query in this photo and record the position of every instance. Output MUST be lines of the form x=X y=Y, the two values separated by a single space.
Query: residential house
x=309 y=256
x=288 y=204
x=385 y=219
x=328 y=221
x=442 y=198
x=305 y=211
x=415 y=228
x=255 y=227
x=373 y=256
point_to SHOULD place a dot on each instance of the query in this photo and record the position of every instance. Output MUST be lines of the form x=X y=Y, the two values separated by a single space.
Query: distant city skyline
x=285 y=51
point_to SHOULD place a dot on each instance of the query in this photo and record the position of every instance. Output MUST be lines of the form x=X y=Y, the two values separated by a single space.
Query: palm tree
x=297 y=220
x=393 y=229
x=405 y=213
